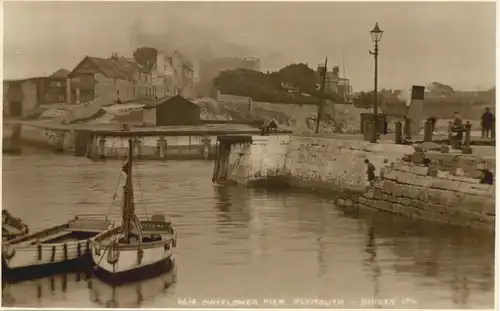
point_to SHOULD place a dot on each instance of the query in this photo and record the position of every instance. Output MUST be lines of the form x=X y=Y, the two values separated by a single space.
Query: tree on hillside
x=145 y=56
x=299 y=76
x=367 y=100
x=439 y=88
x=295 y=83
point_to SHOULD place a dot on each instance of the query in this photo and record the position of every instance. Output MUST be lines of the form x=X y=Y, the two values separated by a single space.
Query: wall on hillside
x=85 y=111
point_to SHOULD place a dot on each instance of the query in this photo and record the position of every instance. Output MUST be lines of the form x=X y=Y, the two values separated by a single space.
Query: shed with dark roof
x=171 y=110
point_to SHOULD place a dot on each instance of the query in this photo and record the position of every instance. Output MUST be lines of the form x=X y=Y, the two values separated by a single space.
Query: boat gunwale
x=46 y=246
x=38 y=234
x=16 y=242
x=97 y=241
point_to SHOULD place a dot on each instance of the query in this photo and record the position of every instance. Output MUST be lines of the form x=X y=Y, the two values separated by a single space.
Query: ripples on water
x=238 y=243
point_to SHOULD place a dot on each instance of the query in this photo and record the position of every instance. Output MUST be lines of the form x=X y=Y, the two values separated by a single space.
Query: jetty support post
x=102 y=147
x=137 y=145
x=398 y=139
x=158 y=152
x=217 y=161
x=206 y=148
x=163 y=148
x=466 y=149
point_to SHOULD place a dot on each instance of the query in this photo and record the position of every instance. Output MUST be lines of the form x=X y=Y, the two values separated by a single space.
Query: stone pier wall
x=336 y=164
x=407 y=189
x=60 y=140
x=448 y=190
x=308 y=162
x=261 y=161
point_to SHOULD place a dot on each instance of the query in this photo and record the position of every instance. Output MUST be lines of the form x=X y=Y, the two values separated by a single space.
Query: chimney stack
x=335 y=70
x=321 y=69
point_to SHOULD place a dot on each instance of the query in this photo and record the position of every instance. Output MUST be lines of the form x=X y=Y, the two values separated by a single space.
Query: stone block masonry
x=336 y=164
x=406 y=189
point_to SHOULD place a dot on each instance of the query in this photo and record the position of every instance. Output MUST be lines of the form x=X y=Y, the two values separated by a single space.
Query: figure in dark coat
x=370 y=170
x=487 y=121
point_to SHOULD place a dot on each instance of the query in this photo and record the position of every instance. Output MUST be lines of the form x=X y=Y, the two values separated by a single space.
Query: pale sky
x=448 y=42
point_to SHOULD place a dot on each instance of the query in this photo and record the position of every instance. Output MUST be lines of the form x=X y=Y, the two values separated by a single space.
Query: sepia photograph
x=248 y=155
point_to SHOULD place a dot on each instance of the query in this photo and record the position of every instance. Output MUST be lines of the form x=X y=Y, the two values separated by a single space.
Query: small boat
x=136 y=247
x=53 y=247
x=12 y=227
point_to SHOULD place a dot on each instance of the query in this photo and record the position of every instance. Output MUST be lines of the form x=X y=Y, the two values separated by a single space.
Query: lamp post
x=376 y=34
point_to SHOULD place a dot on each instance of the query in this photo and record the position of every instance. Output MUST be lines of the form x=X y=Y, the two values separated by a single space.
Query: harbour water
x=242 y=247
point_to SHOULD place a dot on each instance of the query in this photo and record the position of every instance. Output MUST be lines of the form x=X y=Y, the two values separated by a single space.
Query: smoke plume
x=173 y=33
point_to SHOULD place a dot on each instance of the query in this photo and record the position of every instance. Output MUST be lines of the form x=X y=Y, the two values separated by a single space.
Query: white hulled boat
x=56 y=246
x=137 y=247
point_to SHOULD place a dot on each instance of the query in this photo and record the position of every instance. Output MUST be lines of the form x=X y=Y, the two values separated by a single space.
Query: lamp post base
x=373 y=136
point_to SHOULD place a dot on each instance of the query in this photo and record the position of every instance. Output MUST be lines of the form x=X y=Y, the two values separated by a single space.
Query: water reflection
x=130 y=295
x=40 y=290
x=372 y=264
x=250 y=243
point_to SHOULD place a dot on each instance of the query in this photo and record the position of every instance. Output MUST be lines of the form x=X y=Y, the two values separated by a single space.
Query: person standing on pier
x=370 y=171
x=487 y=120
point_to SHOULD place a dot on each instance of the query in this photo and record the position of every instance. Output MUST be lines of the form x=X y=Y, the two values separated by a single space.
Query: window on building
x=55 y=84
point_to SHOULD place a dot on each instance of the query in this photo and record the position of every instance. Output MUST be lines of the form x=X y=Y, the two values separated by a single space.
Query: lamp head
x=376 y=33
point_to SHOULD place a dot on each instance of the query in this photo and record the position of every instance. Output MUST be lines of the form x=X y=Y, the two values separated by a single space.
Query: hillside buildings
x=335 y=84
x=115 y=79
x=21 y=96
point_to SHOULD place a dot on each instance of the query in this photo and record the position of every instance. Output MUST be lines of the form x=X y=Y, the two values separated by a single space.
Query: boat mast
x=128 y=194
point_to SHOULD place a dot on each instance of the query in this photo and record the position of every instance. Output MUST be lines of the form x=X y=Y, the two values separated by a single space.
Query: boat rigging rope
x=140 y=188
x=116 y=190
x=104 y=253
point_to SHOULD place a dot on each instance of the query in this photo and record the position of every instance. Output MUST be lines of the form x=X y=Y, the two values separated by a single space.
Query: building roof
x=52 y=78
x=117 y=67
x=167 y=99
x=22 y=80
x=61 y=73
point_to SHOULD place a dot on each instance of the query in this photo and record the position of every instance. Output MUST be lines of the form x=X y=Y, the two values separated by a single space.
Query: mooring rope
x=105 y=250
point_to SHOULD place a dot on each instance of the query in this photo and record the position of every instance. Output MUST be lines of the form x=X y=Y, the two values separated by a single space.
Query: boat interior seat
x=145 y=239
x=151 y=238
x=158 y=217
